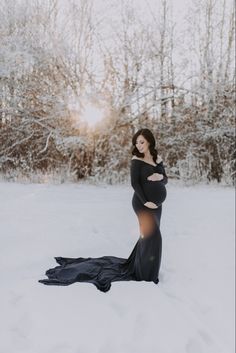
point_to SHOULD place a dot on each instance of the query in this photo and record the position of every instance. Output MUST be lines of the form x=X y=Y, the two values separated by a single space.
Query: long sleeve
x=135 y=181
x=162 y=171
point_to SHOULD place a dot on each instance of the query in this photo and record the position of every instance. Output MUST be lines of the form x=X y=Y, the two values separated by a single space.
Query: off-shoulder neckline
x=136 y=159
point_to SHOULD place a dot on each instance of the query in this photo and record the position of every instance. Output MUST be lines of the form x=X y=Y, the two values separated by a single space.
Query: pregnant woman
x=148 y=179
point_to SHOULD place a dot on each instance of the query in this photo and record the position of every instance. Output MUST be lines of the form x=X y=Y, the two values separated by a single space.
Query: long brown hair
x=148 y=135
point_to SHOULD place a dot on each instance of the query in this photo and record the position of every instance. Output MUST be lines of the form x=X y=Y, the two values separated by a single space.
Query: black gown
x=144 y=261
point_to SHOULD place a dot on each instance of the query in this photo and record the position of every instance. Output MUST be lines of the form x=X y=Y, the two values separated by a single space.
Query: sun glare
x=91 y=114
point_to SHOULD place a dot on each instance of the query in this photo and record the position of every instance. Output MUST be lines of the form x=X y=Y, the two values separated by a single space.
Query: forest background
x=79 y=78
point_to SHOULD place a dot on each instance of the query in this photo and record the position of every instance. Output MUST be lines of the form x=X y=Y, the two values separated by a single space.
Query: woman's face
x=142 y=144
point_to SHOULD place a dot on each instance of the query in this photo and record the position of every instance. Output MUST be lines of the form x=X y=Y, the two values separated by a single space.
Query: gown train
x=143 y=263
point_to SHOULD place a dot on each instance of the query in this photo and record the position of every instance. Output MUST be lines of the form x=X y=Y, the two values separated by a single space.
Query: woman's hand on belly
x=155 y=177
x=150 y=204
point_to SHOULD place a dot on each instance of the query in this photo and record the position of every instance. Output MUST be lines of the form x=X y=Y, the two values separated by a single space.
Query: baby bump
x=155 y=191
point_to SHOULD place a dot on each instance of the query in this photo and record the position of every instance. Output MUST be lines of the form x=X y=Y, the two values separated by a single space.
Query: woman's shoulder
x=135 y=157
x=158 y=160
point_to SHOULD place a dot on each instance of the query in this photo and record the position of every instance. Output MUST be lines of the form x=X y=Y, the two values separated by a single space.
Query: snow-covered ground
x=191 y=310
